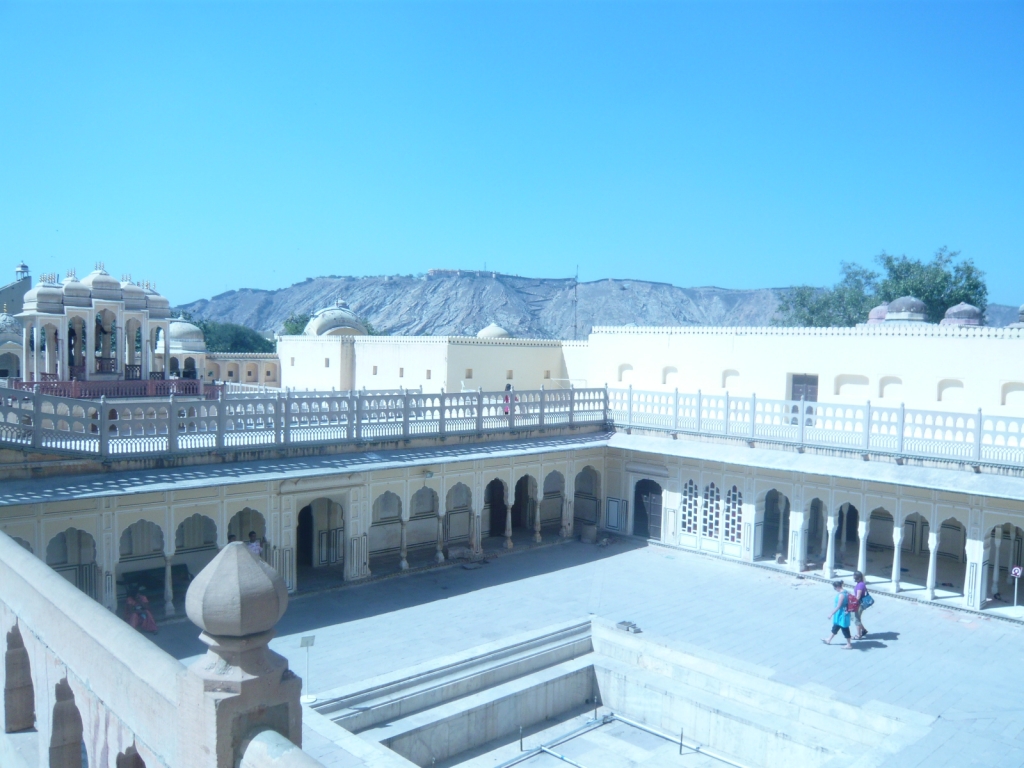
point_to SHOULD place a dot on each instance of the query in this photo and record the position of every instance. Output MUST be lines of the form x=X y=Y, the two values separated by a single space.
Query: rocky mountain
x=461 y=302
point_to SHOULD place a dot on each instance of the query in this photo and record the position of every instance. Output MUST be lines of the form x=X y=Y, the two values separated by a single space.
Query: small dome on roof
x=159 y=307
x=962 y=314
x=46 y=297
x=75 y=293
x=906 y=309
x=236 y=595
x=337 y=320
x=185 y=337
x=493 y=331
x=133 y=295
x=102 y=285
x=1020 y=319
x=877 y=315
x=10 y=328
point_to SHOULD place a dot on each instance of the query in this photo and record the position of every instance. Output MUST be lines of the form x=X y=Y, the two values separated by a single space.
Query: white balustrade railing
x=32 y=420
x=866 y=428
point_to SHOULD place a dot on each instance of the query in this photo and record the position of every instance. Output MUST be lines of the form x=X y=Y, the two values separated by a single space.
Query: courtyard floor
x=958 y=666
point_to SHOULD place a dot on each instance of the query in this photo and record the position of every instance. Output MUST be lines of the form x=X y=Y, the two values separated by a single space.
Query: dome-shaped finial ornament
x=962 y=314
x=236 y=595
x=493 y=331
x=906 y=309
x=877 y=315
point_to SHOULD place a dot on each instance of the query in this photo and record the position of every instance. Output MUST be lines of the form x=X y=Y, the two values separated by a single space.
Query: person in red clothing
x=137 y=610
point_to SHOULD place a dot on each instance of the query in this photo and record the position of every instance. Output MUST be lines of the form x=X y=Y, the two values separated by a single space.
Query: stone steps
x=403 y=693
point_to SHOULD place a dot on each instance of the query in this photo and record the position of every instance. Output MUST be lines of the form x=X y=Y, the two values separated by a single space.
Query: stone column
x=829 y=567
x=1009 y=557
x=997 y=542
x=797 y=555
x=439 y=555
x=19 y=702
x=934 y=537
x=89 y=334
x=36 y=353
x=26 y=348
x=536 y=521
x=168 y=588
x=781 y=543
x=824 y=532
x=240 y=687
x=404 y=547
x=897 y=540
x=863 y=525
x=508 y=523
x=842 y=532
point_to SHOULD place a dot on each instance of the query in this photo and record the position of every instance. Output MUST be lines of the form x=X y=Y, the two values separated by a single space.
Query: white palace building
x=895 y=448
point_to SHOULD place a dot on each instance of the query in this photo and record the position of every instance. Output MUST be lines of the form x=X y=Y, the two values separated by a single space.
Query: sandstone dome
x=102 y=285
x=493 y=331
x=46 y=297
x=133 y=295
x=236 y=595
x=962 y=314
x=186 y=337
x=337 y=320
x=906 y=309
x=76 y=294
x=877 y=315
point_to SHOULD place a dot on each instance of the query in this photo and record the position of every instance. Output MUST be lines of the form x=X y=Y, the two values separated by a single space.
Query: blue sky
x=216 y=146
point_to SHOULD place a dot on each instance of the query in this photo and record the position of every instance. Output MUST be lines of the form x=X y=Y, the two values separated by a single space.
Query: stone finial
x=236 y=595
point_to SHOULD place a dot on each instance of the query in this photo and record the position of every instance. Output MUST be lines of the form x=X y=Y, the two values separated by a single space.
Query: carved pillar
x=897 y=540
x=536 y=521
x=934 y=536
x=508 y=526
x=168 y=588
x=997 y=541
x=439 y=555
x=829 y=567
x=796 y=557
x=404 y=547
x=842 y=531
x=240 y=687
x=862 y=545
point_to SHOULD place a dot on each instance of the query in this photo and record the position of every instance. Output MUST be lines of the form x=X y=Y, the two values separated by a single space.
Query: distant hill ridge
x=461 y=302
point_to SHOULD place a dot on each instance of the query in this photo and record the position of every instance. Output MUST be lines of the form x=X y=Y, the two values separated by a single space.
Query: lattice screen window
x=733 y=514
x=712 y=512
x=690 y=507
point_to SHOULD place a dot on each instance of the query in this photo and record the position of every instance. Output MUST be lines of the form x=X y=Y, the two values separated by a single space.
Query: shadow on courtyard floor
x=336 y=604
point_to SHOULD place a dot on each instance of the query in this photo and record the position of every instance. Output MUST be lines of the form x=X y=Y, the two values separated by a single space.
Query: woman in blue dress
x=840 y=616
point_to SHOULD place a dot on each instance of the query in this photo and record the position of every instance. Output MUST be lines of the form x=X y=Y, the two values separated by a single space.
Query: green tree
x=231 y=337
x=846 y=303
x=296 y=324
x=940 y=284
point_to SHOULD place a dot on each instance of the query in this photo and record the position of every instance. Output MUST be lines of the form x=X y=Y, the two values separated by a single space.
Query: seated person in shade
x=137 y=610
x=254 y=545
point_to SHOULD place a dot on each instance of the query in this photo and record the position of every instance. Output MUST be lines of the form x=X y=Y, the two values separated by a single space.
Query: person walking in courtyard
x=840 y=616
x=856 y=603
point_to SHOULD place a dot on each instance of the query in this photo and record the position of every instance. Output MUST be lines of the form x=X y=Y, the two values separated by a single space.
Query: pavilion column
x=823 y=546
x=997 y=541
x=439 y=555
x=89 y=339
x=796 y=557
x=986 y=551
x=508 y=526
x=404 y=546
x=536 y=522
x=167 y=349
x=862 y=549
x=897 y=540
x=168 y=588
x=781 y=543
x=1009 y=557
x=36 y=353
x=933 y=560
x=146 y=361
x=26 y=348
x=62 y=356
x=842 y=531
x=829 y=567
